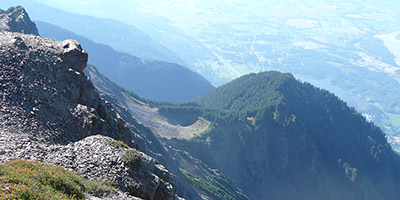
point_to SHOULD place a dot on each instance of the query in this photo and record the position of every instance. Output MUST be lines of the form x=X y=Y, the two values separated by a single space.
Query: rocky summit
x=51 y=112
x=16 y=19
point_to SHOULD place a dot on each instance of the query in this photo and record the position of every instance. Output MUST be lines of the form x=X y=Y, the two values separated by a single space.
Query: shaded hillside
x=152 y=126
x=156 y=80
x=289 y=140
x=285 y=140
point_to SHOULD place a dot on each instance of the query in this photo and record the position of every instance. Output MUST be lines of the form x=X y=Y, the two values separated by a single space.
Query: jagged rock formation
x=50 y=111
x=16 y=19
x=43 y=86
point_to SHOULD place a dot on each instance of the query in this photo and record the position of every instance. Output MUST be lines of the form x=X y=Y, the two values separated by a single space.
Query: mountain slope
x=153 y=127
x=289 y=140
x=51 y=112
x=253 y=92
x=283 y=139
x=357 y=61
x=156 y=80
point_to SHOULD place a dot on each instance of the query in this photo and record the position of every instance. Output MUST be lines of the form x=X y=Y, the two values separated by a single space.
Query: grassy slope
x=21 y=179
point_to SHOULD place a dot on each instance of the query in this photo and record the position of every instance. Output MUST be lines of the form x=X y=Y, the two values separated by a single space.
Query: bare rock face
x=43 y=90
x=16 y=19
x=51 y=112
x=74 y=55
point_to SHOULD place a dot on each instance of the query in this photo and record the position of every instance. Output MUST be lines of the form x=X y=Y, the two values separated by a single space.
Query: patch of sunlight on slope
x=159 y=125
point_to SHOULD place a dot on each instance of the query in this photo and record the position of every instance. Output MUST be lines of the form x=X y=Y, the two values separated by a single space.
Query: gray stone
x=16 y=19
x=51 y=112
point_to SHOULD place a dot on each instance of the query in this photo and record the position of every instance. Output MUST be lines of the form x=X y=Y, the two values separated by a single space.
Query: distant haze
x=349 y=47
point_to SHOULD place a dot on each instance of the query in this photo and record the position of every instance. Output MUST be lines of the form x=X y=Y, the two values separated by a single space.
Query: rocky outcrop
x=16 y=19
x=44 y=92
x=96 y=157
x=51 y=112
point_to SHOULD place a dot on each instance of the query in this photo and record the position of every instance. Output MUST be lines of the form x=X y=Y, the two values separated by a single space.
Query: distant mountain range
x=156 y=80
x=118 y=35
x=347 y=47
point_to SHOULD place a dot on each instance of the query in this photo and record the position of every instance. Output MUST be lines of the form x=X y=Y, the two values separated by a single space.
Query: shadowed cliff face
x=286 y=140
x=16 y=19
x=282 y=140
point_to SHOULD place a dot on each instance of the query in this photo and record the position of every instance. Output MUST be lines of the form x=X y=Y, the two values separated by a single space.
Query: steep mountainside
x=284 y=139
x=156 y=80
x=137 y=110
x=273 y=137
x=51 y=112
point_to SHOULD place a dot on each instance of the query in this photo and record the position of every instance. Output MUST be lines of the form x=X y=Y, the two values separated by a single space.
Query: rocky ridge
x=51 y=112
x=16 y=19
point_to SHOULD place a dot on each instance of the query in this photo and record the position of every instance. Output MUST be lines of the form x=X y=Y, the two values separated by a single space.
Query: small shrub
x=99 y=187
x=131 y=157
x=117 y=144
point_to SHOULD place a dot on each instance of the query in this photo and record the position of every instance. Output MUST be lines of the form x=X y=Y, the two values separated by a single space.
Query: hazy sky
x=184 y=12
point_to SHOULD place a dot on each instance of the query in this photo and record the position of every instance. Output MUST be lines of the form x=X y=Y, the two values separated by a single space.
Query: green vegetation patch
x=218 y=190
x=131 y=157
x=21 y=179
x=223 y=182
x=208 y=187
x=248 y=93
x=117 y=144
